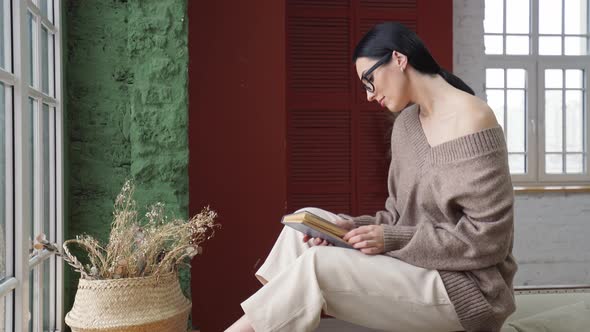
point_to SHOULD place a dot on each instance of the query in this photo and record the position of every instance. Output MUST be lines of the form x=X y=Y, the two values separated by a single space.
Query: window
x=31 y=191
x=537 y=64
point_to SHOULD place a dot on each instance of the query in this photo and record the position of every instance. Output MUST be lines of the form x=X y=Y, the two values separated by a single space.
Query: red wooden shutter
x=319 y=90
x=374 y=122
x=337 y=142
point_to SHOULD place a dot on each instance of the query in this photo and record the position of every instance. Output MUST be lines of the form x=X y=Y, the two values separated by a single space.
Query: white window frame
x=16 y=289
x=7 y=78
x=564 y=63
x=535 y=64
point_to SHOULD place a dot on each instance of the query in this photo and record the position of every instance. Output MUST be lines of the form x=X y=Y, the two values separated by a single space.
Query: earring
x=402 y=69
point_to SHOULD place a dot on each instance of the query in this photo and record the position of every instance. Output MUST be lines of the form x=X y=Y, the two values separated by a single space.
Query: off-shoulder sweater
x=451 y=208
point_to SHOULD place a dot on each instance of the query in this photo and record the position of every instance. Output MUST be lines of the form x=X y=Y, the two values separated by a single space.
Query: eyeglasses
x=368 y=80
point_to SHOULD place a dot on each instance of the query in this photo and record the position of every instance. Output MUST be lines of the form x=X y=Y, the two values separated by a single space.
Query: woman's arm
x=481 y=189
x=387 y=216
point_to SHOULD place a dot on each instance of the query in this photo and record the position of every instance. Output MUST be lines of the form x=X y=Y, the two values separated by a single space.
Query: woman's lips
x=381 y=101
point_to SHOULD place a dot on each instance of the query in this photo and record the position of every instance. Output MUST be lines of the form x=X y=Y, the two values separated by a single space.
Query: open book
x=314 y=226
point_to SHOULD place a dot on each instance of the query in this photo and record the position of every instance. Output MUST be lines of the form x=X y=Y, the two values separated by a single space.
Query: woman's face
x=388 y=83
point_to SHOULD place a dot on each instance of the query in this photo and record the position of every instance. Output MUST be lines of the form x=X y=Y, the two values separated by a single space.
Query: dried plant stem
x=137 y=247
x=73 y=261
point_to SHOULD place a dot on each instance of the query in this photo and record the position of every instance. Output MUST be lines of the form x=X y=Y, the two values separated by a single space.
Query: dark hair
x=387 y=37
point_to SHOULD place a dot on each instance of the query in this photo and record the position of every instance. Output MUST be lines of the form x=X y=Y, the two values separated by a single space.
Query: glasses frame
x=368 y=81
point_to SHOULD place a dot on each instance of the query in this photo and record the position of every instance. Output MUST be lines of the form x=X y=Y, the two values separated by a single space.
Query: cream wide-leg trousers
x=376 y=291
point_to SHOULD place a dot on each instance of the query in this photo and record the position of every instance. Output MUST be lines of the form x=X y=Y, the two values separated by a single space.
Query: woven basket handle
x=93 y=253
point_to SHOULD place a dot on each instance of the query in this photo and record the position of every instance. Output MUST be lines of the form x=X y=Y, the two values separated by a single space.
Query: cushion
x=569 y=318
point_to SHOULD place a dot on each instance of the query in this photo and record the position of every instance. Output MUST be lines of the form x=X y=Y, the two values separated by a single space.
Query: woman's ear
x=400 y=60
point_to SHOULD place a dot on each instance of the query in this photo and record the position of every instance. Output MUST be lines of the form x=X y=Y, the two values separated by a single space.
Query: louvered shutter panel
x=375 y=122
x=337 y=142
x=374 y=157
x=319 y=135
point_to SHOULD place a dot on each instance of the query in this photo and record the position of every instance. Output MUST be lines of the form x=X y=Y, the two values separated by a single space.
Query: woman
x=439 y=257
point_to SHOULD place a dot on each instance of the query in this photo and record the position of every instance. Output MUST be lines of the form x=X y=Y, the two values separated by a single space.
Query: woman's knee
x=310 y=209
x=327 y=215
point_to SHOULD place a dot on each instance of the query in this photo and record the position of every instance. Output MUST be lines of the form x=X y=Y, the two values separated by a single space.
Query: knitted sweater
x=450 y=208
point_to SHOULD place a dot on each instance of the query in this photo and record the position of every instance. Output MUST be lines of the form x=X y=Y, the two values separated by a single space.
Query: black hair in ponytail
x=393 y=36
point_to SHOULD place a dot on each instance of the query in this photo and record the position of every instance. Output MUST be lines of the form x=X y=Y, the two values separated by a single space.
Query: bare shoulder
x=474 y=115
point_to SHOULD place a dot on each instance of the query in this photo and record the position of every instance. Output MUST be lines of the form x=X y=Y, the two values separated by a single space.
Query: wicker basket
x=130 y=305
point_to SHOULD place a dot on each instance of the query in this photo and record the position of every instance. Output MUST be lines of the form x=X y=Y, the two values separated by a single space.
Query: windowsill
x=551 y=189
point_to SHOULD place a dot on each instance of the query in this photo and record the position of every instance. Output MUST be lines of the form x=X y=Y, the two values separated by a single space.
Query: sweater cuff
x=396 y=237
x=359 y=221
x=363 y=221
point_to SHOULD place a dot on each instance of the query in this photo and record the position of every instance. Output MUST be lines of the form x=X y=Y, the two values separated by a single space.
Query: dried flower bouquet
x=138 y=247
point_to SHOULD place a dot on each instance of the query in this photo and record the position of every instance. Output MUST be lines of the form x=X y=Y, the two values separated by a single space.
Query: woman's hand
x=369 y=239
x=346 y=224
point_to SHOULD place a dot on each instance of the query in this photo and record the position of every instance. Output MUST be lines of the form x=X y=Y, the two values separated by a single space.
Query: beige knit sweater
x=450 y=208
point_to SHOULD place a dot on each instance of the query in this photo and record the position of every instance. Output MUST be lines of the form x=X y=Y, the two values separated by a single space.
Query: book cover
x=314 y=226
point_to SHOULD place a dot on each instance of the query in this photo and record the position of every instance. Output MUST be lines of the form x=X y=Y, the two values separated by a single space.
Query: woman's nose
x=370 y=96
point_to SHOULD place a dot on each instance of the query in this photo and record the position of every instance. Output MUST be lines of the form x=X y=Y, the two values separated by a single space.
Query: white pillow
x=569 y=318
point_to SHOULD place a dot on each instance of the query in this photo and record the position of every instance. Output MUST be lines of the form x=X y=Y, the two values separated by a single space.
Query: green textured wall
x=127 y=111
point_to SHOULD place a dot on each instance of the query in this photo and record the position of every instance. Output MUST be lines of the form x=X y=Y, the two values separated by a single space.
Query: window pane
x=32 y=313
x=46 y=174
x=3 y=305
x=574 y=163
x=517 y=163
x=576 y=17
x=45 y=60
x=51 y=64
x=515 y=78
x=2 y=29
x=549 y=17
x=496 y=103
x=574 y=105
x=553 y=164
x=517 y=45
x=31 y=51
x=494 y=12
x=46 y=289
x=494 y=78
x=550 y=45
x=574 y=79
x=553 y=78
x=3 y=236
x=576 y=45
x=44 y=7
x=517 y=16
x=553 y=121
x=516 y=120
x=31 y=148
x=493 y=44
x=49 y=5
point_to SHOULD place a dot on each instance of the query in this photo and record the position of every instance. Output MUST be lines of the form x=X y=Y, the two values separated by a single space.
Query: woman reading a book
x=439 y=256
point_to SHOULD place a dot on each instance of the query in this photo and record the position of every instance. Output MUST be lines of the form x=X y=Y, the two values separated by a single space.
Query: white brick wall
x=468 y=44
x=551 y=239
